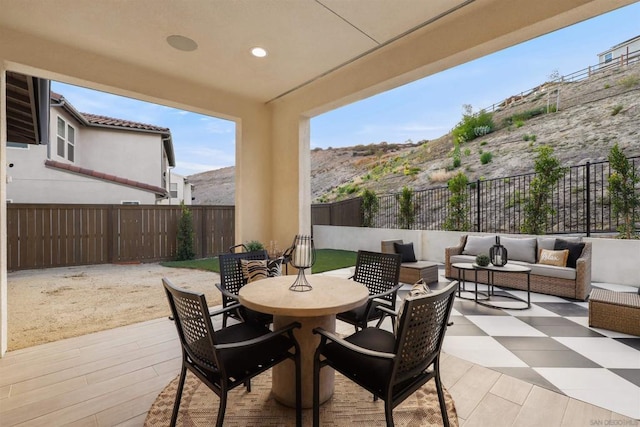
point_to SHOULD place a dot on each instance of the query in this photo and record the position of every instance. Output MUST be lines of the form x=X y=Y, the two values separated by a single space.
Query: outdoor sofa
x=571 y=281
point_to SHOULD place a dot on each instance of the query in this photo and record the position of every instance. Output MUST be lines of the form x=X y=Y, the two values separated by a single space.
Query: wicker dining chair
x=229 y=357
x=391 y=366
x=232 y=279
x=380 y=273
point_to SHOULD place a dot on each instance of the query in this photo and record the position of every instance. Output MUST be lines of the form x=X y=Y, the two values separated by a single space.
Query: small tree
x=624 y=198
x=370 y=207
x=458 y=209
x=185 y=235
x=537 y=207
x=406 y=216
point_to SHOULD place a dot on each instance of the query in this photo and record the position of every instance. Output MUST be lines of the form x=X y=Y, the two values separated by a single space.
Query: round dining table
x=314 y=308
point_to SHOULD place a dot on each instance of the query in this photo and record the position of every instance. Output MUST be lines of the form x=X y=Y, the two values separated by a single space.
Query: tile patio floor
x=538 y=367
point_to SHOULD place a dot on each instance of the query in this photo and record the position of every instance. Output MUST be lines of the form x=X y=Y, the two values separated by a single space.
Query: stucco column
x=3 y=210
x=291 y=205
x=255 y=177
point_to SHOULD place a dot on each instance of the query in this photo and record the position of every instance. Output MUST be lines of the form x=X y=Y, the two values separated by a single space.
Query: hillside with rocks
x=593 y=115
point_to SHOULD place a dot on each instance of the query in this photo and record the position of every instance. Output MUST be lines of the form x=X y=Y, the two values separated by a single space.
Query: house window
x=130 y=202
x=174 y=190
x=66 y=140
x=608 y=57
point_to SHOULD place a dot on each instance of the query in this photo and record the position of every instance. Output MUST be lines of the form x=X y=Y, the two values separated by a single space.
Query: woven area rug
x=350 y=404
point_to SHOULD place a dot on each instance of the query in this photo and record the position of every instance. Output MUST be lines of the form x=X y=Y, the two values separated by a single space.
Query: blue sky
x=425 y=109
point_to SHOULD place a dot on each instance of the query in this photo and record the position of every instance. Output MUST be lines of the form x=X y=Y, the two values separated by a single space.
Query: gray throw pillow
x=520 y=249
x=477 y=245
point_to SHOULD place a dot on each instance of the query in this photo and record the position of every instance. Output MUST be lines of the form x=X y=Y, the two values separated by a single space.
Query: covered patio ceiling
x=305 y=40
x=322 y=54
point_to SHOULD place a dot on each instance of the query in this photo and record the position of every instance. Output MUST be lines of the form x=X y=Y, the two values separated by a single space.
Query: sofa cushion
x=553 y=271
x=406 y=250
x=520 y=249
x=557 y=258
x=546 y=243
x=536 y=269
x=477 y=245
x=575 y=250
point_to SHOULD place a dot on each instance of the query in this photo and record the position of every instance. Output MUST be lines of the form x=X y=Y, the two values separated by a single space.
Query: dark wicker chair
x=231 y=280
x=380 y=273
x=229 y=357
x=392 y=367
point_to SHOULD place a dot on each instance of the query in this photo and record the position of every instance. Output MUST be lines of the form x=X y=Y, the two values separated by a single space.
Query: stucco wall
x=32 y=182
x=613 y=261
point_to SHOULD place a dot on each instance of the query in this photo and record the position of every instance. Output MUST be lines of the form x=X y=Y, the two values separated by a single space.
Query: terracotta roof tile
x=107 y=177
x=110 y=121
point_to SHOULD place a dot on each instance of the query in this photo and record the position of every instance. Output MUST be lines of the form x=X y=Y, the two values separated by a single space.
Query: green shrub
x=519 y=123
x=629 y=81
x=537 y=208
x=483 y=143
x=467 y=152
x=624 y=199
x=472 y=125
x=370 y=207
x=458 y=208
x=616 y=110
x=185 y=235
x=486 y=157
x=407 y=214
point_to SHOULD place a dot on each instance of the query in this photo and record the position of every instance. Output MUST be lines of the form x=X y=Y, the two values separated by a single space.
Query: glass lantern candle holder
x=498 y=254
x=303 y=256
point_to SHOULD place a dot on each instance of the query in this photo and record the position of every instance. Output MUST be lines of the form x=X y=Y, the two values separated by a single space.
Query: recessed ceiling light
x=258 y=52
x=182 y=43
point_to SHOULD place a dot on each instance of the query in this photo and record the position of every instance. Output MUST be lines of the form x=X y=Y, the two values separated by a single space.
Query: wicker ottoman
x=616 y=311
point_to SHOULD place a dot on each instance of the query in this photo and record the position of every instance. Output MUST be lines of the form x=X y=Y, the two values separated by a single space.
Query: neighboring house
x=626 y=51
x=94 y=159
x=180 y=189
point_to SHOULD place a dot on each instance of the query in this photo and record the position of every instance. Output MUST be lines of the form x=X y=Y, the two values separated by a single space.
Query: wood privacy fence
x=43 y=236
x=346 y=213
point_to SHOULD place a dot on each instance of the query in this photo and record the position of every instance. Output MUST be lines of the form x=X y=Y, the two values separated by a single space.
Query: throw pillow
x=575 y=250
x=520 y=248
x=419 y=289
x=275 y=266
x=557 y=258
x=253 y=270
x=406 y=250
x=477 y=245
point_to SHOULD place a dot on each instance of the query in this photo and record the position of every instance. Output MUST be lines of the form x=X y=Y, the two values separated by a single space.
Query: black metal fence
x=581 y=203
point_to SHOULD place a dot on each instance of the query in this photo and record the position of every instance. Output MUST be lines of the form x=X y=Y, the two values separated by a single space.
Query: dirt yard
x=51 y=304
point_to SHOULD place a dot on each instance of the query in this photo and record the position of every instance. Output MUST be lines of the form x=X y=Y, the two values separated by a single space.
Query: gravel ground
x=52 y=304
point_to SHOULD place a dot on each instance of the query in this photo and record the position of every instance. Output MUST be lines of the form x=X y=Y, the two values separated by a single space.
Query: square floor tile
x=505 y=326
x=535 y=298
x=484 y=351
x=529 y=375
x=463 y=327
x=554 y=359
x=605 y=351
x=631 y=342
x=599 y=387
x=534 y=311
x=573 y=330
x=631 y=375
x=546 y=320
x=584 y=321
x=565 y=309
x=471 y=308
x=531 y=343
